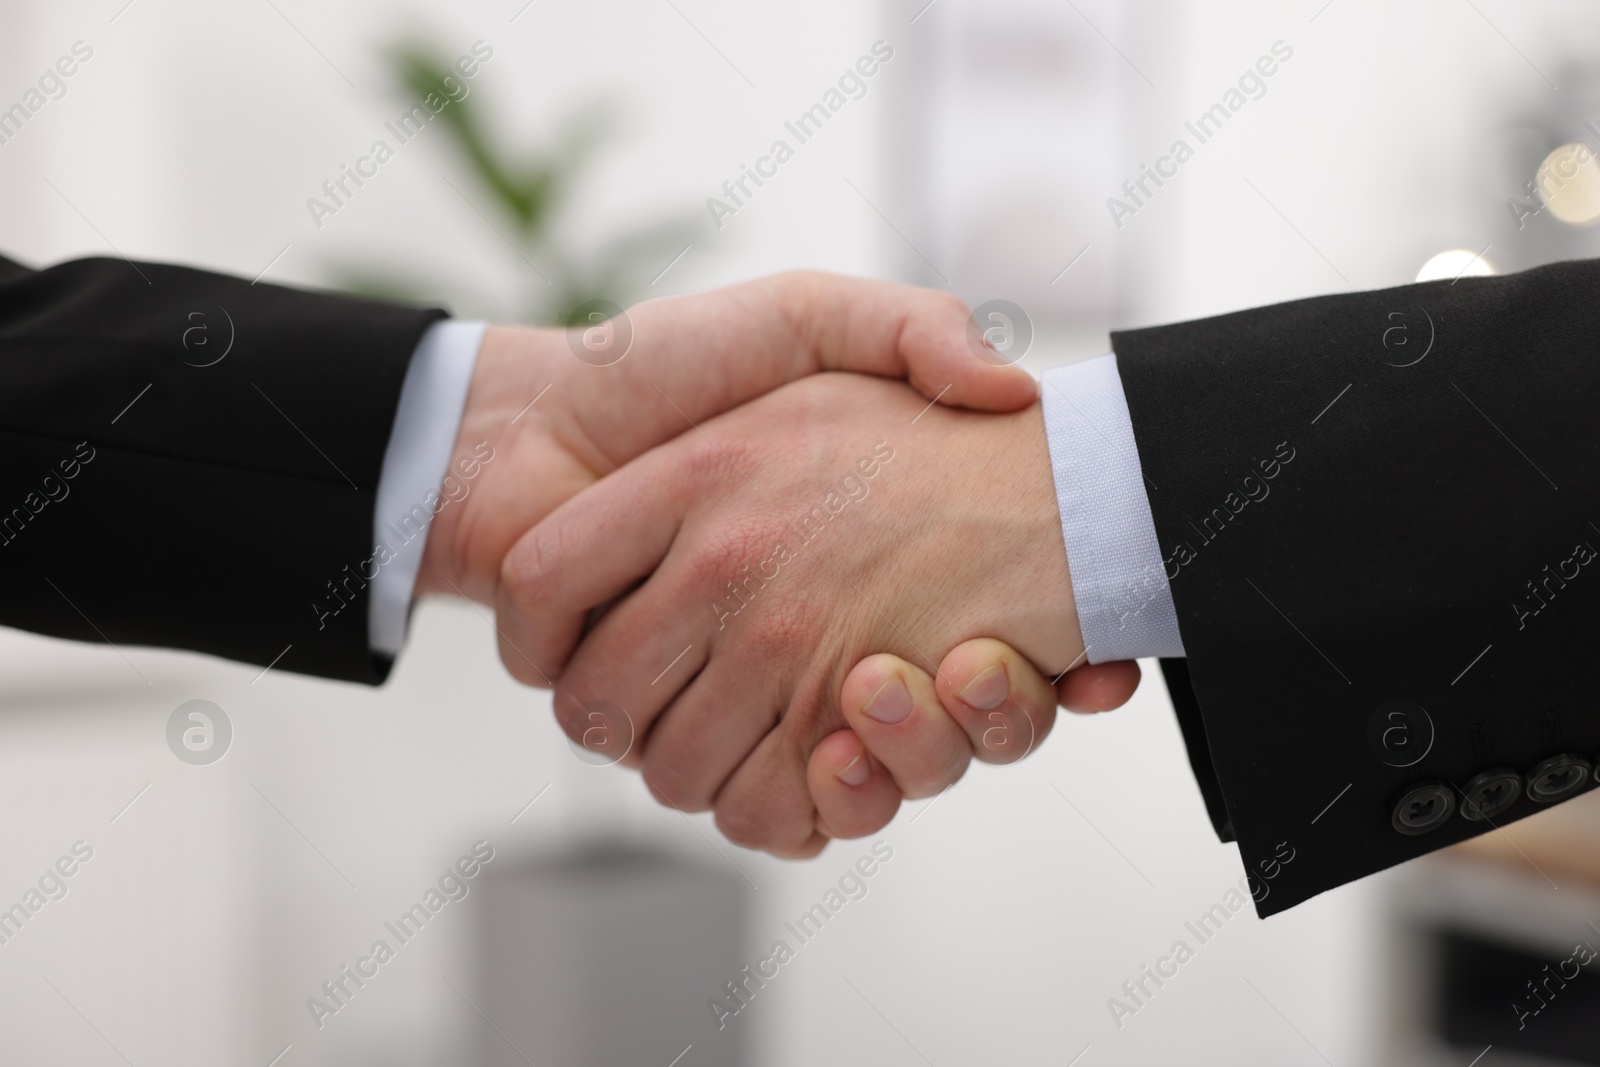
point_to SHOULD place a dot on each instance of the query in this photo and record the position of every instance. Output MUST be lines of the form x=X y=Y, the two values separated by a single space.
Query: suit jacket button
x=1489 y=794
x=1558 y=778
x=1423 y=808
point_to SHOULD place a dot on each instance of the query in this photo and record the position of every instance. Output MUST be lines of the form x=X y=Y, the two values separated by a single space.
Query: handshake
x=794 y=551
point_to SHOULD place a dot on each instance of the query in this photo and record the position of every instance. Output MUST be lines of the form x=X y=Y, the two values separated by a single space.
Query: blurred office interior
x=981 y=157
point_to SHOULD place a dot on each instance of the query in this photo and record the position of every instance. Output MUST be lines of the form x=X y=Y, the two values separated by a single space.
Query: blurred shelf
x=1482 y=944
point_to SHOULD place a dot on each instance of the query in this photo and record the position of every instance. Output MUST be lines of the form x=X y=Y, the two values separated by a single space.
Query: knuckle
x=529 y=571
x=568 y=711
x=674 y=790
x=744 y=826
x=732 y=565
x=950 y=304
x=800 y=283
x=792 y=278
x=518 y=668
x=601 y=731
x=703 y=464
x=715 y=466
x=515 y=661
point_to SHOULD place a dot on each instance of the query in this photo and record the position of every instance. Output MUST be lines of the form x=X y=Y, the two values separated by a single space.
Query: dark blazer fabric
x=1378 y=514
x=189 y=459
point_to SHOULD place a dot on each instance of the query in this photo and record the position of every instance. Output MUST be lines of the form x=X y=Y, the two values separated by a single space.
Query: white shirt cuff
x=1124 y=602
x=426 y=423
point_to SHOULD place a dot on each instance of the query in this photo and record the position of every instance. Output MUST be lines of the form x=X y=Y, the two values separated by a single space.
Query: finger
x=1004 y=704
x=651 y=644
x=576 y=559
x=698 y=741
x=926 y=336
x=800 y=846
x=767 y=803
x=762 y=334
x=1098 y=687
x=894 y=709
x=854 y=794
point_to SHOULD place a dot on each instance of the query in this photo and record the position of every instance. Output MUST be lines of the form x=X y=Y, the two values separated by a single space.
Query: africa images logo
x=199 y=732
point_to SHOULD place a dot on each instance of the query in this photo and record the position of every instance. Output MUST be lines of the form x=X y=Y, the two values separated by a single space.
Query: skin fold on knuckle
x=529 y=574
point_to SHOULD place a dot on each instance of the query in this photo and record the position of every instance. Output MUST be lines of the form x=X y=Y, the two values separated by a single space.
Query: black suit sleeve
x=1378 y=513
x=190 y=459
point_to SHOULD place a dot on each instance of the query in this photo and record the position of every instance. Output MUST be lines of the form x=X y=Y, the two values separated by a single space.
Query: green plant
x=527 y=194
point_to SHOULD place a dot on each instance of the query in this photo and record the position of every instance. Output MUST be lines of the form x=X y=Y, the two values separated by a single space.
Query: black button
x=1558 y=778
x=1490 y=793
x=1424 y=808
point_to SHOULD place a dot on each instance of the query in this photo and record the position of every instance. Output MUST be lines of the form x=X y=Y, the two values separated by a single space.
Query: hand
x=778 y=545
x=985 y=701
x=691 y=358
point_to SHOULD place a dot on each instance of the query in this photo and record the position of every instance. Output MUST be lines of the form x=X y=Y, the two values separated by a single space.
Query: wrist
x=995 y=564
x=1050 y=632
x=503 y=464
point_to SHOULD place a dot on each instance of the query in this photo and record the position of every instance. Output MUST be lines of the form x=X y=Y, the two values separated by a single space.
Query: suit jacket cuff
x=232 y=433
x=1377 y=507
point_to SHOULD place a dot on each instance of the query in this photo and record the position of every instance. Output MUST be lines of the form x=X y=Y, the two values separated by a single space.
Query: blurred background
x=577 y=163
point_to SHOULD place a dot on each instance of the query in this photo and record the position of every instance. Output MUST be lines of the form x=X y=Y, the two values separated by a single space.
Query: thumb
x=925 y=336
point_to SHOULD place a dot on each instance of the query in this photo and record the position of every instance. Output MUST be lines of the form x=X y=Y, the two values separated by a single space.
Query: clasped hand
x=793 y=595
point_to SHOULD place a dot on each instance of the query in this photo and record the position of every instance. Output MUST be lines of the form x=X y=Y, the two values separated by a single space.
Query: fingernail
x=988 y=690
x=891 y=703
x=856 y=772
